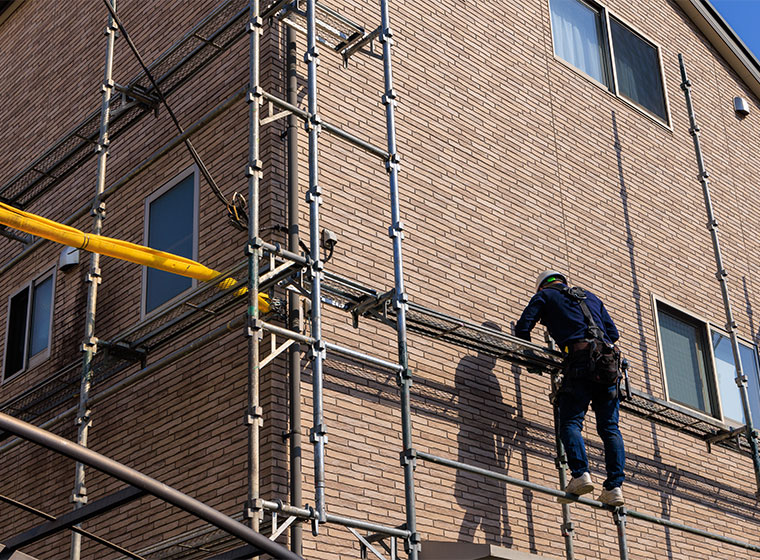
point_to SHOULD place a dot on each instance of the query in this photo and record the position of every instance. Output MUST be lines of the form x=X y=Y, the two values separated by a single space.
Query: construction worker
x=578 y=322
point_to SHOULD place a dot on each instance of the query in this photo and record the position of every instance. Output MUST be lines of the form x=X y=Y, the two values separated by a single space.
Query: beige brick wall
x=509 y=166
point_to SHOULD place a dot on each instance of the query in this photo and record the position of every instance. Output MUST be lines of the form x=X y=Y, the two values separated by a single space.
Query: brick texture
x=512 y=162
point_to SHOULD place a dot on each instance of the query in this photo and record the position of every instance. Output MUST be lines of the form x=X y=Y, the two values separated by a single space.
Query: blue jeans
x=574 y=398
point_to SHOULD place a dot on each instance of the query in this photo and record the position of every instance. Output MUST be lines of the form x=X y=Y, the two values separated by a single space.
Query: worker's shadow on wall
x=483 y=442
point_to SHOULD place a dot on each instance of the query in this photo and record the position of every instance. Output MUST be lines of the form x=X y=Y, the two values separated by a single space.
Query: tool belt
x=593 y=360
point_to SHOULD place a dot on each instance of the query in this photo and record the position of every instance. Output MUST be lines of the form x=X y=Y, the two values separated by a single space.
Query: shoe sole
x=578 y=492
x=615 y=503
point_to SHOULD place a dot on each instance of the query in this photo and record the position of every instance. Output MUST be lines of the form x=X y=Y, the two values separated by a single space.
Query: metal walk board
x=441 y=550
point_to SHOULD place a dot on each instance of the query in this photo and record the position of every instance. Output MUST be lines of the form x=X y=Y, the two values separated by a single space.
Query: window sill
x=656 y=120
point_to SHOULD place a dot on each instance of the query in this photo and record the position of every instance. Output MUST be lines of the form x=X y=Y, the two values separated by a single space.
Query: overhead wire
x=237 y=209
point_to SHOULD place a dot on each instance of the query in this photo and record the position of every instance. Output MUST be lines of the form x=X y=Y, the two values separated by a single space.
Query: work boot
x=612 y=497
x=578 y=485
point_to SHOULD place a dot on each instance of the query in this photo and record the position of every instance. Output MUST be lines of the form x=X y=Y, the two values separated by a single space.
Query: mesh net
x=201 y=45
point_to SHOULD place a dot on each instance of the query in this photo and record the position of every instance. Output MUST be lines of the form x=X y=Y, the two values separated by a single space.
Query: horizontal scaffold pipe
x=348 y=352
x=134 y=172
x=150 y=485
x=123 y=250
x=303 y=513
x=334 y=130
x=155 y=367
x=586 y=501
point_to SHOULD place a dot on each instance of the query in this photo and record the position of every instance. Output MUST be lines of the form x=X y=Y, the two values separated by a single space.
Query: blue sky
x=744 y=17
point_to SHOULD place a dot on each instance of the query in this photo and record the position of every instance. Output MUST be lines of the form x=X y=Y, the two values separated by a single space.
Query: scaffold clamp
x=253 y=508
x=408 y=456
x=318 y=433
x=567 y=528
x=412 y=542
x=311 y=55
x=256 y=93
x=254 y=24
x=396 y=230
x=318 y=348
x=79 y=496
x=90 y=345
x=253 y=246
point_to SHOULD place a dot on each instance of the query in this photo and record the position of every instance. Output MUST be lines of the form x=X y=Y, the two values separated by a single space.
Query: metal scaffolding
x=123 y=360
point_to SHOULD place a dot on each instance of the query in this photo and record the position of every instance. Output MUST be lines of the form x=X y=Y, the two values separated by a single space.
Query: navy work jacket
x=563 y=317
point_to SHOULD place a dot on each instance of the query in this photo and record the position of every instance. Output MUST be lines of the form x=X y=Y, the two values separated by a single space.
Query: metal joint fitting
x=408 y=456
x=686 y=84
x=254 y=25
x=396 y=230
x=254 y=416
x=386 y=36
x=86 y=418
x=567 y=528
x=311 y=55
x=79 y=496
x=99 y=209
x=93 y=277
x=317 y=266
x=723 y=273
x=254 y=246
x=390 y=97
x=712 y=224
x=90 y=344
x=404 y=377
x=741 y=380
x=255 y=169
x=253 y=508
x=695 y=129
x=704 y=175
x=413 y=542
x=318 y=433
x=318 y=348
x=255 y=324
x=619 y=515
x=255 y=94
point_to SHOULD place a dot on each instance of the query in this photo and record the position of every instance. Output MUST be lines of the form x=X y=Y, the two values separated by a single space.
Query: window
x=30 y=319
x=698 y=363
x=725 y=370
x=171 y=225
x=688 y=376
x=601 y=46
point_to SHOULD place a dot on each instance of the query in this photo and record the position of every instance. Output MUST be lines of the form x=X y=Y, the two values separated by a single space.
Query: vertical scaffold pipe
x=314 y=198
x=89 y=344
x=254 y=416
x=395 y=231
x=561 y=462
x=619 y=517
x=721 y=274
x=294 y=302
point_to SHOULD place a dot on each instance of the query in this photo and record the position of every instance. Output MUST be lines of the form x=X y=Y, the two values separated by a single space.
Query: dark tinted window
x=637 y=65
x=171 y=220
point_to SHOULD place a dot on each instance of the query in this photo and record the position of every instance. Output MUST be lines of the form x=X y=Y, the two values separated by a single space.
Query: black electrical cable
x=236 y=210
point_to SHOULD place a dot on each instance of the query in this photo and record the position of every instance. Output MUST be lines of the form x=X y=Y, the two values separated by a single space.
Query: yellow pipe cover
x=123 y=250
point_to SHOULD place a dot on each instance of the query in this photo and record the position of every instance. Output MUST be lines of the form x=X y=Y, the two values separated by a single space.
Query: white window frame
x=609 y=54
x=30 y=361
x=193 y=170
x=709 y=358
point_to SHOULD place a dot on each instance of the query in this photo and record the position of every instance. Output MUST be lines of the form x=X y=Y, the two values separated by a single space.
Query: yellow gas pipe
x=124 y=250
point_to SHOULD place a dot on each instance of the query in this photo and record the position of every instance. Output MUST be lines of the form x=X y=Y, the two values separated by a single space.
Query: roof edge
x=6 y=12
x=725 y=40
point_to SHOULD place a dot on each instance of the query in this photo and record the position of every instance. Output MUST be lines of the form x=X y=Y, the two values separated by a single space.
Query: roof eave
x=725 y=41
